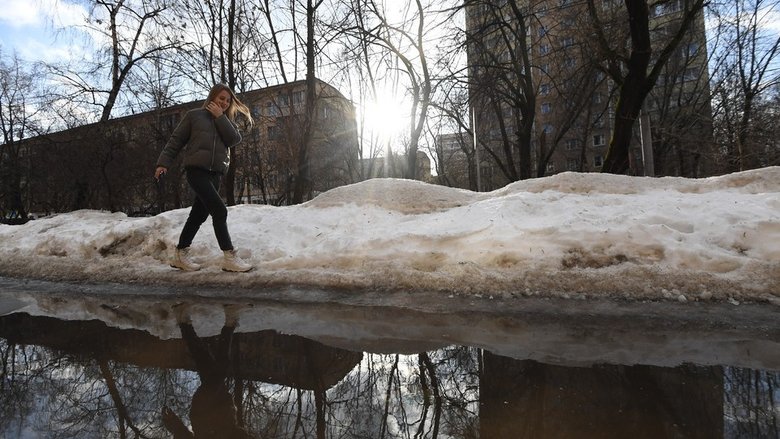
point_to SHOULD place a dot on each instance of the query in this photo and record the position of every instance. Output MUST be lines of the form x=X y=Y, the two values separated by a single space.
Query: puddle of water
x=78 y=364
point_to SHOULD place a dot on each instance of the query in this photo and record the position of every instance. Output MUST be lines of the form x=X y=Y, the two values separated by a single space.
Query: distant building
x=394 y=166
x=109 y=165
x=271 y=156
x=456 y=161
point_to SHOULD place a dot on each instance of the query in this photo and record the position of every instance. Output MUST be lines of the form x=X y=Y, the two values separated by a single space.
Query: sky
x=29 y=28
x=570 y=235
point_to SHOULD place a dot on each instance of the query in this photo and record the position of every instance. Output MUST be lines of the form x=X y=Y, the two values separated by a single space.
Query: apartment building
x=544 y=105
x=109 y=165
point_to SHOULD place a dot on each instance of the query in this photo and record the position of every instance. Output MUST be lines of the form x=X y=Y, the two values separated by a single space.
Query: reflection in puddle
x=218 y=373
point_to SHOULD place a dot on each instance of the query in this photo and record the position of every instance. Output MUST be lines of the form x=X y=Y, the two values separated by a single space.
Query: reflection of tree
x=70 y=370
x=430 y=391
x=84 y=379
x=96 y=388
x=751 y=400
x=16 y=380
x=430 y=394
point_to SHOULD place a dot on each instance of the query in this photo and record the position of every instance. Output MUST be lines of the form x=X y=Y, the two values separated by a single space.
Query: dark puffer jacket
x=205 y=141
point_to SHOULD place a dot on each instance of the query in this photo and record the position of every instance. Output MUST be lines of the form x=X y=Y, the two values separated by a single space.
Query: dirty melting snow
x=569 y=235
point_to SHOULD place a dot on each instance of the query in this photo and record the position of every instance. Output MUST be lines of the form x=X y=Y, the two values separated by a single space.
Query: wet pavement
x=117 y=360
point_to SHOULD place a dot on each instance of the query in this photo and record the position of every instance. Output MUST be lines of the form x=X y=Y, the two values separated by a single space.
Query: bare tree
x=18 y=89
x=501 y=81
x=745 y=60
x=403 y=48
x=635 y=73
x=302 y=183
x=127 y=30
x=573 y=97
x=363 y=76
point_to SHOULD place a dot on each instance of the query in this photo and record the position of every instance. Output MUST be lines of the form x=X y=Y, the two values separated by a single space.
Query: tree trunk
x=230 y=177
x=633 y=90
x=302 y=184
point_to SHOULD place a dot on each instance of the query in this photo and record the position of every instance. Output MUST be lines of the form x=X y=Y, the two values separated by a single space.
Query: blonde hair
x=236 y=106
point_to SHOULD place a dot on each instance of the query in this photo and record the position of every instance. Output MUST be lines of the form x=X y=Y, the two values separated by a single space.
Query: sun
x=385 y=119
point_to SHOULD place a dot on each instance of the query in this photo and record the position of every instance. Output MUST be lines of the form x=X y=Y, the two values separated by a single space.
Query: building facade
x=109 y=165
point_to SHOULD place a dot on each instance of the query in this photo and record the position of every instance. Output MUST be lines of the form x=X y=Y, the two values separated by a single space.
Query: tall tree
x=502 y=83
x=392 y=54
x=18 y=85
x=126 y=31
x=302 y=183
x=746 y=54
x=637 y=72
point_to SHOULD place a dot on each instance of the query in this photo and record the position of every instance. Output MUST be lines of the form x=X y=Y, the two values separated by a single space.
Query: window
x=597 y=98
x=572 y=144
x=691 y=74
x=598 y=161
x=570 y=62
x=599 y=140
x=544 y=89
x=567 y=42
x=169 y=121
x=274 y=133
x=542 y=31
x=608 y=4
x=546 y=108
x=272 y=110
x=550 y=167
x=690 y=50
x=548 y=128
x=573 y=165
x=325 y=112
x=598 y=122
x=544 y=49
x=666 y=8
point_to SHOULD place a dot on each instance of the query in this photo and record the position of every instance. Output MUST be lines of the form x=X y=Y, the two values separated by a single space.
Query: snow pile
x=569 y=235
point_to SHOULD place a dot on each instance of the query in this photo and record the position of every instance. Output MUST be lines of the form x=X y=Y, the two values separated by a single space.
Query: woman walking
x=206 y=134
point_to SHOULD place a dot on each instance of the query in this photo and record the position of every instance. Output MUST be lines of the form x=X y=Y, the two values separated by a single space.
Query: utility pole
x=476 y=150
x=648 y=163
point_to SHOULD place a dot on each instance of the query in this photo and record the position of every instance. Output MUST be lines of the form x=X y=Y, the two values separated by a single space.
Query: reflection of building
x=264 y=356
x=109 y=165
x=526 y=399
x=571 y=102
x=293 y=361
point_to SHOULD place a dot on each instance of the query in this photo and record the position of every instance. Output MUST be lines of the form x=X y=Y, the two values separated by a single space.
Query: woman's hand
x=159 y=172
x=214 y=109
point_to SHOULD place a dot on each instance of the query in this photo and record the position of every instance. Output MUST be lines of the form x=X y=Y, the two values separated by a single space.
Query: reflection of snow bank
x=550 y=331
x=565 y=235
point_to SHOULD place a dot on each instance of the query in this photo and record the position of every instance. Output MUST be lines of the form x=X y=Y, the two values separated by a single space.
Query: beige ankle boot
x=232 y=262
x=181 y=260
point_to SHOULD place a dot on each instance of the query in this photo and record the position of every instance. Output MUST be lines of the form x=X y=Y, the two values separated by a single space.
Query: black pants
x=207 y=202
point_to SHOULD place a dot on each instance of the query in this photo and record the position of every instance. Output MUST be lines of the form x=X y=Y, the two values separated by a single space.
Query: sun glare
x=385 y=119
